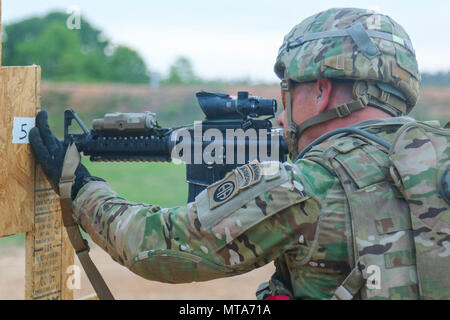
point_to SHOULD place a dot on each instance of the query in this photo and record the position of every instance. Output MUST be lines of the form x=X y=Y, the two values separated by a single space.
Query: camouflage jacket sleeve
x=220 y=234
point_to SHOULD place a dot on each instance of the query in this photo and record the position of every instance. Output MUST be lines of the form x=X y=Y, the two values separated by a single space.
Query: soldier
x=316 y=218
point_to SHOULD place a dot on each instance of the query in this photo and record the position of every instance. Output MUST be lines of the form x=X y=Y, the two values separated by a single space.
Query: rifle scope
x=221 y=106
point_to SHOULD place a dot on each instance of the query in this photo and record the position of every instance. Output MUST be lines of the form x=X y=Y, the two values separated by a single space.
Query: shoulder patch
x=239 y=179
x=238 y=188
x=223 y=190
x=245 y=176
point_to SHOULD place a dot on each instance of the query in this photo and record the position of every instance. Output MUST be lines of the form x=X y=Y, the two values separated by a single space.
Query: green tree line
x=65 y=54
x=81 y=55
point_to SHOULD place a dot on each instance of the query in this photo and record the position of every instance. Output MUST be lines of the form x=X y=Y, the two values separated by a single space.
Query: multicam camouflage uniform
x=325 y=220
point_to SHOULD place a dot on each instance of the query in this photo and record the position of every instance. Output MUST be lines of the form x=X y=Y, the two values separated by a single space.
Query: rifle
x=234 y=132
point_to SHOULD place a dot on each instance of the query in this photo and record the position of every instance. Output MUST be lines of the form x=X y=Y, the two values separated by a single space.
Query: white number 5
x=21 y=128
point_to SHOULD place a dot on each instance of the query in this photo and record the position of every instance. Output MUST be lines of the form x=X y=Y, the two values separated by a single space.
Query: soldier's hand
x=50 y=152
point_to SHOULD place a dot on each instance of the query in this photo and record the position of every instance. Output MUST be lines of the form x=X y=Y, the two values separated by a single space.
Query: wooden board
x=0 y=32
x=27 y=202
x=47 y=247
x=19 y=97
x=48 y=252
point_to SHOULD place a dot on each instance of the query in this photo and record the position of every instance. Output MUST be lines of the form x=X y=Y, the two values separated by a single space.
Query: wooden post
x=1 y=42
x=27 y=201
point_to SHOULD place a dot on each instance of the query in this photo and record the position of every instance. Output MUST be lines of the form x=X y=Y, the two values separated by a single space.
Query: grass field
x=156 y=183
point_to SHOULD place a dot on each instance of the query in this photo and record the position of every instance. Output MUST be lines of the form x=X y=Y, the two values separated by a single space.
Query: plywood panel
x=0 y=32
x=48 y=249
x=27 y=202
x=19 y=97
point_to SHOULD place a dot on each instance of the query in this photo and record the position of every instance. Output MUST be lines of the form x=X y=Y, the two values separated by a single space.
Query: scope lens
x=267 y=107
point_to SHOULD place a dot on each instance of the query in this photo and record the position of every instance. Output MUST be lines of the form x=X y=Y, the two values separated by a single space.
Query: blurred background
x=103 y=56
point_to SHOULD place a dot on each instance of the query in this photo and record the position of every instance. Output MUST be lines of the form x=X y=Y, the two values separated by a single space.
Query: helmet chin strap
x=292 y=135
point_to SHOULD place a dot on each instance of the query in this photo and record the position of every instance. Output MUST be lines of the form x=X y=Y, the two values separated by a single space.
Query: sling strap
x=350 y=286
x=71 y=161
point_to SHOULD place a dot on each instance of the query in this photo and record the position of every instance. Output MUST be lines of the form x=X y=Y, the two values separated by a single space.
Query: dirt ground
x=126 y=285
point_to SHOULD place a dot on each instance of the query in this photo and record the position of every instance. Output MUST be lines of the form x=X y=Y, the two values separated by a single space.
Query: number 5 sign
x=21 y=128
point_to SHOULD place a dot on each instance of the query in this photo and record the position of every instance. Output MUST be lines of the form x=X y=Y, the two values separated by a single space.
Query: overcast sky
x=236 y=38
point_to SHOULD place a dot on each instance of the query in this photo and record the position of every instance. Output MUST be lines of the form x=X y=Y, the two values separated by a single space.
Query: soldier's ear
x=322 y=92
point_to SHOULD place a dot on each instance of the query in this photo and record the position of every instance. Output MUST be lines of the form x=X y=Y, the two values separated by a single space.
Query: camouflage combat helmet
x=353 y=44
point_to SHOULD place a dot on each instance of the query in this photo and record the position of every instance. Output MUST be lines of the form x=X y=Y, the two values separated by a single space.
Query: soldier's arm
x=206 y=239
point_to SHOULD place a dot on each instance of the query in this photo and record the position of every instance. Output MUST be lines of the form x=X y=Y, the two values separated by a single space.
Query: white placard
x=21 y=128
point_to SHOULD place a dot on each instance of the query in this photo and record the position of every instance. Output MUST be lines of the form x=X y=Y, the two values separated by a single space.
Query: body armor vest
x=397 y=213
x=379 y=220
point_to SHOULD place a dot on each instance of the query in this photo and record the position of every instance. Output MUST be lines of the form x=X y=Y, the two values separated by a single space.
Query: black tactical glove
x=50 y=152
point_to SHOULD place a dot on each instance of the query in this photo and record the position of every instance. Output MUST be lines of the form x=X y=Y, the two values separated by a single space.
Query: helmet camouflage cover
x=348 y=43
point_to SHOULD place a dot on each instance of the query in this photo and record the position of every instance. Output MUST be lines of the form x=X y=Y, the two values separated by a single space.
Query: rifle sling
x=82 y=250
x=71 y=162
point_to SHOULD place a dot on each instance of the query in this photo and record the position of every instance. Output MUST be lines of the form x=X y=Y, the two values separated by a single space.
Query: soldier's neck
x=316 y=131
